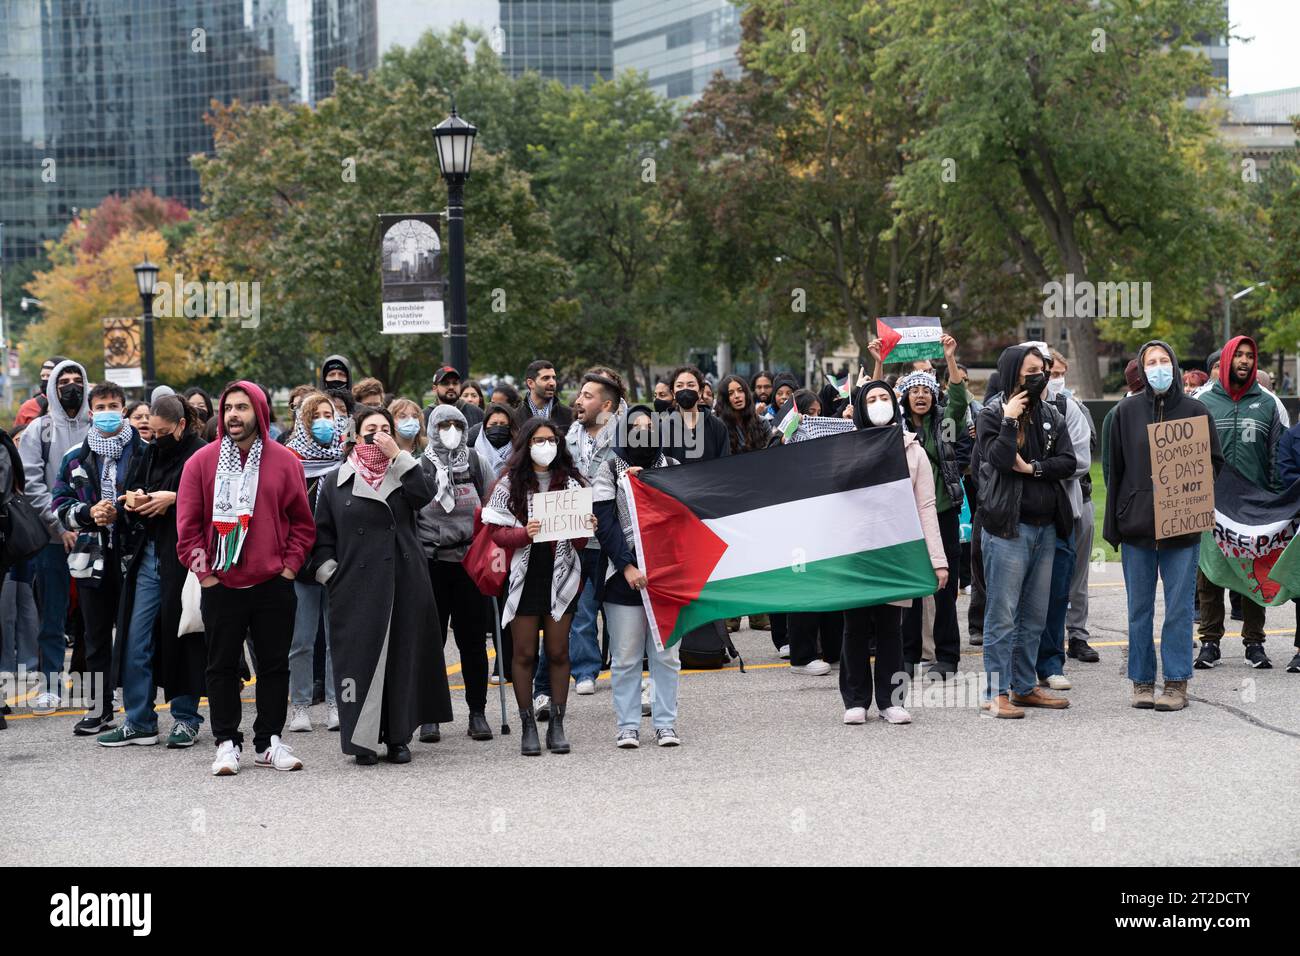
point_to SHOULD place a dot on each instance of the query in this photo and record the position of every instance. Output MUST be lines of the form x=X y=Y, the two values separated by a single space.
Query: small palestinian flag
x=790 y=424
x=841 y=388
x=909 y=338
x=822 y=526
x=1249 y=551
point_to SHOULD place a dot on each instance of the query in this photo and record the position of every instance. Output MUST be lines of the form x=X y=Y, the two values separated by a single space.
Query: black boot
x=399 y=753
x=430 y=734
x=367 y=759
x=556 y=742
x=529 y=744
x=478 y=726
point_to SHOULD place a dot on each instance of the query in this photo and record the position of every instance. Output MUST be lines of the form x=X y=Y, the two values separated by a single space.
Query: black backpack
x=709 y=647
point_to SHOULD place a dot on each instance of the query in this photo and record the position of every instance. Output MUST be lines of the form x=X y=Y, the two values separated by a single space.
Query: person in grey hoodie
x=46 y=441
x=460 y=480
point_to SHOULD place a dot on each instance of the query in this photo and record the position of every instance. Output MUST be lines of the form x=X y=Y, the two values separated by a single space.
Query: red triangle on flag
x=888 y=336
x=679 y=552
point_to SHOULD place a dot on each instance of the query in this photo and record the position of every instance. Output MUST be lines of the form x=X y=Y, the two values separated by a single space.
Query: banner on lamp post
x=122 y=352
x=410 y=271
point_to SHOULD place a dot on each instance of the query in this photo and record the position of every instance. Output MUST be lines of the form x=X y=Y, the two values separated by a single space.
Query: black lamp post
x=455 y=141
x=146 y=280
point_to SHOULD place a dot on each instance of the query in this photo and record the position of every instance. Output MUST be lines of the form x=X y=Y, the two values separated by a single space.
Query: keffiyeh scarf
x=233 y=500
x=447 y=464
x=371 y=464
x=109 y=449
x=819 y=426
x=495 y=458
x=566 y=579
x=535 y=411
x=317 y=459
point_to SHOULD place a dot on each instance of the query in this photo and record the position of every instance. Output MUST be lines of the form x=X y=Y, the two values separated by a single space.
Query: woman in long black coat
x=389 y=671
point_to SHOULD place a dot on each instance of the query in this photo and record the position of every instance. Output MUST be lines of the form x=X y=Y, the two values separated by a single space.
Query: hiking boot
x=529 y=745
x=1037 y=698
x=1208 y=657
x=556 y=742
x=1173 y=697
x=1144 y=696
x=733 y=625
x=759 y=622
x=1257 y=658
x=1000 y=706
x=1081 y=650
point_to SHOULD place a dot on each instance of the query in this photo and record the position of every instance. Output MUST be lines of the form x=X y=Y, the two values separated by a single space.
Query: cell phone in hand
x=369 y=439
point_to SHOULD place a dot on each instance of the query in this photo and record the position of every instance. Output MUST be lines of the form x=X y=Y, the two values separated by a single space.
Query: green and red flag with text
x=824 y=525
x=1250 y=549
x=909 y=338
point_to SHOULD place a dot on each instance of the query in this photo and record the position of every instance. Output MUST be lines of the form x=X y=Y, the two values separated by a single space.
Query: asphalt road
x=767 y=774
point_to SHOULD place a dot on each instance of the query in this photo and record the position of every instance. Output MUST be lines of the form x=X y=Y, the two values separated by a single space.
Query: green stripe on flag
x=860 y=579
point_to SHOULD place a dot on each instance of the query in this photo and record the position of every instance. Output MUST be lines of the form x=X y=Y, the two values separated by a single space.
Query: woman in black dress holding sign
x=545 y=578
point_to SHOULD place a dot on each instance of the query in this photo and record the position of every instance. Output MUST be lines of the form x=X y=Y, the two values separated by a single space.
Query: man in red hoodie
x=244 y=527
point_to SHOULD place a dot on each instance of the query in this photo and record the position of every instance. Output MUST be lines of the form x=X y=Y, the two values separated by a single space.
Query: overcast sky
x=1270 y=61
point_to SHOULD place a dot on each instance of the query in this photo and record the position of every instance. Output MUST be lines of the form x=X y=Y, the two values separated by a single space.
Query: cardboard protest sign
x=563 y=514
x=1181 y=476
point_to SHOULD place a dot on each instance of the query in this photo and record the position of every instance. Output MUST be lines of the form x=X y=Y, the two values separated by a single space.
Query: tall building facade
x=678 y=44
x=566 y=40
x=105 y=96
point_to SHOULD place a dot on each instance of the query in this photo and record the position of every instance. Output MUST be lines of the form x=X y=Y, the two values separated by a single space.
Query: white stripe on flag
x=811 y=529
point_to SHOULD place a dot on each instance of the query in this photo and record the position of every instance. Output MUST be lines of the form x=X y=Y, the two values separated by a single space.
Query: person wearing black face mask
x=491 y=437
x=687 y=434
x=1025 y=454
x=629 y=633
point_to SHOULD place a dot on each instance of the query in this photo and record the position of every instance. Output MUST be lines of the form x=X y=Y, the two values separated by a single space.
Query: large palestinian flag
x=909 y=338
x=819 y=525
x=1249 y=550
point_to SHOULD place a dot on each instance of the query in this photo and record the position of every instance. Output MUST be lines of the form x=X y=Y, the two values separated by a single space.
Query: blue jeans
x=584 y=648
x=1051 y=648
x=313 y=602
x=1176 y=567
x=52 y=585
x=1018 y=583
x=629 y=642
x=139 y=691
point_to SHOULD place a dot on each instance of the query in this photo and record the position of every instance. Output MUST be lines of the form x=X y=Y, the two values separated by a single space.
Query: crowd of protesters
x=194 y=542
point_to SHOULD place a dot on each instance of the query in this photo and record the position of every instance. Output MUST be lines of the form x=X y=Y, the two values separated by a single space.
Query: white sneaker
x=542 y=707
x=227 y=762
x=784 y=652
x=645 y=698
x=585 y=687
x=331 y=716
x=278 y=756
x=494 y=679
x=896 y=715
x=1057 y=682
x=816 y=668
x=855 y=715
x=301 y=722
x=46 y=703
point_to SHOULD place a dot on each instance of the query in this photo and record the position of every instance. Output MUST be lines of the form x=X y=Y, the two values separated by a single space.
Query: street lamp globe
x=146 y=278
x=455 y=140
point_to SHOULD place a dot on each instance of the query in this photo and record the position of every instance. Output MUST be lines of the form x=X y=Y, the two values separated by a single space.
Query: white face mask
x=450 y=437
x=880 y=412
x=543 y=453
x=1055 y=386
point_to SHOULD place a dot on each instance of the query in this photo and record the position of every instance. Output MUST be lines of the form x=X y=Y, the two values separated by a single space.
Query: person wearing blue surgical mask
x=409 y=434
x=1130 y=526
x=92 y=482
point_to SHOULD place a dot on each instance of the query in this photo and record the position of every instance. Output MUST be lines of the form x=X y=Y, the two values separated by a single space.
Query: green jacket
x=954 y=414
x=1249 y=432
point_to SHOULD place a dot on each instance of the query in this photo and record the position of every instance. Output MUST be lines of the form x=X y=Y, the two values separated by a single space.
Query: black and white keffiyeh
x=446 y=463
x=109 y=448
x=819 y=426
x=317 y=459
x=566 y=579
x=232 y=501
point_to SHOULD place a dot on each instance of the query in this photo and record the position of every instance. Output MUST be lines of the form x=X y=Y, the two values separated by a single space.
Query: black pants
x=780 y=637
x=99 y=612
x=460 y=602
x=1209 y=598
x=881 y=621
x=265 y=612
x=975 y=613
x=815 y=634
x=947 y=638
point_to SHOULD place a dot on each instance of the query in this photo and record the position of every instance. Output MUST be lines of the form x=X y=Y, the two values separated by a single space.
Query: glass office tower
x=565 y=40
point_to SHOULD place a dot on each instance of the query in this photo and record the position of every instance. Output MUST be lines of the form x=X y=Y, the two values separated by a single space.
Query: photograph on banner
x=564 y=514
x=122 y=352
x=909 y=338
x=411 y=274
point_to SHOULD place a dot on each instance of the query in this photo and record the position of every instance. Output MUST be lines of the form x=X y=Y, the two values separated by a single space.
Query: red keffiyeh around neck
x=371 y=464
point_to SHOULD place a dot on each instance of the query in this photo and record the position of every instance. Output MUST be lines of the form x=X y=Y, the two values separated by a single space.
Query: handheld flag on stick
x=909 y=338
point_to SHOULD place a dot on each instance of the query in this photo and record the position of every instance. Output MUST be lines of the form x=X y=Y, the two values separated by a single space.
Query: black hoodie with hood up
x=1002 y=489
x=1130 y=496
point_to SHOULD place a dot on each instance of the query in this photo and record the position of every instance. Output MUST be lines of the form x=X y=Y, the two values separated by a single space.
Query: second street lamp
x=146 y=280
x=455 y=141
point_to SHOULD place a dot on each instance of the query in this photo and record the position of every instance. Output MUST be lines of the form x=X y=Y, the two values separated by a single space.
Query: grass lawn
x=1099 y=509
